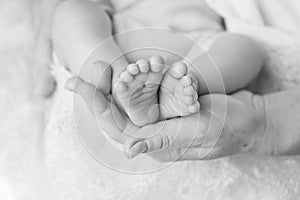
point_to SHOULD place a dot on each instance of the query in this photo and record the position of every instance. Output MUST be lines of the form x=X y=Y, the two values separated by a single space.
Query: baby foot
x=137 y=89
x=178 y=93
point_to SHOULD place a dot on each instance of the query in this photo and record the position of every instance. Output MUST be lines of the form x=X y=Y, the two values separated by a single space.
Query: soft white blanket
x=22 y=173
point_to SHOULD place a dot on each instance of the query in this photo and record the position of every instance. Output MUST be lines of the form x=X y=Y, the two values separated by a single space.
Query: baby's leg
x=78 y=27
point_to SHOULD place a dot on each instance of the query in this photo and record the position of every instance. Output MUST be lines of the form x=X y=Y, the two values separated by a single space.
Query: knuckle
x=165 y=141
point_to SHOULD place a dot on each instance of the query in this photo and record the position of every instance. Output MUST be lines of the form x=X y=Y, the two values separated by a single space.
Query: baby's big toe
x=122 y=84
x=156 y=63
x=126 y=77
x=178 y=70
x=133 y=69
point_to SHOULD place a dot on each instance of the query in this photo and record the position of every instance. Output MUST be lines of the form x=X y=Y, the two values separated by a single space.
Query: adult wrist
x=260 y=134
x=256 y=123
x=268 y=144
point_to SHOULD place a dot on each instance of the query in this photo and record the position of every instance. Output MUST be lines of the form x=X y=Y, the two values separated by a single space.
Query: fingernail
x=71 y=84
x=137 y=149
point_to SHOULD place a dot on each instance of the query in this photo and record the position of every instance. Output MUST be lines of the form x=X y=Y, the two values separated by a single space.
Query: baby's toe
x=126 y=77
x=194 y=108
x=194 y=82
x=189 y=90
x=133 y=69
x=156 y=63
x=121 y=87
x=189 y=100
x=178 y=70
x=143 y=65
x=186 y=81
x=195 y=96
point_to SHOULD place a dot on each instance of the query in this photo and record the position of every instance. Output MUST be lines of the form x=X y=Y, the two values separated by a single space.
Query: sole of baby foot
x=137 y=90
x=178 y=93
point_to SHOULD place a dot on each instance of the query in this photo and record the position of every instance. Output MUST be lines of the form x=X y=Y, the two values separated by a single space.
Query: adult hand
x=224 y=126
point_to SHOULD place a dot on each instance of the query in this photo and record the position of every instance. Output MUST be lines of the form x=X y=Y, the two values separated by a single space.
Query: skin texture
x=241 y=132
x=257 y=125
x=137 y=89
x=214 y=136
x=148 y=95
x=282 y=135
x=78 y=27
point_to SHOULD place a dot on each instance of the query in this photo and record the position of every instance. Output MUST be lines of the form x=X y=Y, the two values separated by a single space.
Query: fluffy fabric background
x=21 y=114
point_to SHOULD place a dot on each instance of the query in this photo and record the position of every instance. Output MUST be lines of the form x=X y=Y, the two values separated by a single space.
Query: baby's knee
x=64 y=14
x=76 y=9
x=68 y=10
x=77 y=15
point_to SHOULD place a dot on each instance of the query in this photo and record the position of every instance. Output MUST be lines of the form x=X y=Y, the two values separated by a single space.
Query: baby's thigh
x=143 y=43
x=77 y=28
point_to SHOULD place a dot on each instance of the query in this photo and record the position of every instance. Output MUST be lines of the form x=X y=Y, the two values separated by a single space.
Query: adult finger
x=174 y=133
x=102 y=78
x=109 y=118
x=192 y=153
x=99 y=74
x=200 y=129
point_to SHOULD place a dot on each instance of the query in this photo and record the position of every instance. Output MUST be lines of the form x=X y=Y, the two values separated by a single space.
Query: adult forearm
x=282 y=136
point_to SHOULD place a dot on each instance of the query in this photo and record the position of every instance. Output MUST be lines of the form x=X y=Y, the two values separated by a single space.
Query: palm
x=225 y=125
x=235 y=126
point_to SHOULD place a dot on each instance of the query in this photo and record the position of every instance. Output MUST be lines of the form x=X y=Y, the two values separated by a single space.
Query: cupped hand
x=224 y=126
